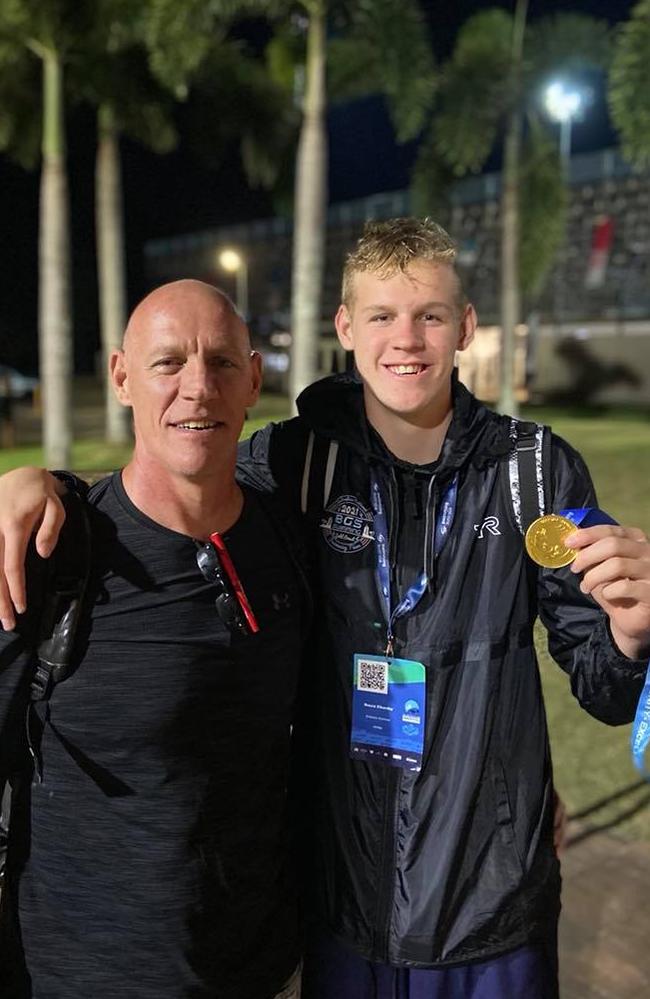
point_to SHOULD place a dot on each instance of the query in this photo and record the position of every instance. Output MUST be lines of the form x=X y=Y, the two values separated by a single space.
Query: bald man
x=150 y=851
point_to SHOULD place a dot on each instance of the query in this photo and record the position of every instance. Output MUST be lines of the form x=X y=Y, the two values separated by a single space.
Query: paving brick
x=605 y=922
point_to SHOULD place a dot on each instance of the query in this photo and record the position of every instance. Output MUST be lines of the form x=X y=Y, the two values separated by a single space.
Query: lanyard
x=416 y=590
x=640 y=738
x=587 y=516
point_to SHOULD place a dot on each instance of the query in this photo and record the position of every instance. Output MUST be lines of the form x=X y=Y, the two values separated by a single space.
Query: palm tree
x=136 y=64
x=629 y=85
x=149 y=125
x=191 y=47
x=111 y=75
x=375 y=47
x=50 y=30
x=490 y=90
x=55 y=313
x=310 y=207
x=381 y=47
x=111 y=261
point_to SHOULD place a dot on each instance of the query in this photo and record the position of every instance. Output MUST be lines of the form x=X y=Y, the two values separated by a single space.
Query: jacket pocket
x=505 y=820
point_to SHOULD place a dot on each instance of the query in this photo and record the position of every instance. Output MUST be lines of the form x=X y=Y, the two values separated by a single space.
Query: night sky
x=174 y=194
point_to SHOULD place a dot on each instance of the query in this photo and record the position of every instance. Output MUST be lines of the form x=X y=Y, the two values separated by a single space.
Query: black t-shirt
x=154 y=860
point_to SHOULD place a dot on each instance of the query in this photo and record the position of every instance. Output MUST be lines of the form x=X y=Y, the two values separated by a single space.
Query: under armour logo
x=490 y=524
x=281 y=601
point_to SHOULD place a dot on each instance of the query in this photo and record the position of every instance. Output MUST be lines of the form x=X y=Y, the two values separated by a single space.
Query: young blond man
x=431 y=848
x=438 y=878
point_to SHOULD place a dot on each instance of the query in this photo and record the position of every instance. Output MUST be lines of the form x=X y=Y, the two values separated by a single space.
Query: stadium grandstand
x=586 y=336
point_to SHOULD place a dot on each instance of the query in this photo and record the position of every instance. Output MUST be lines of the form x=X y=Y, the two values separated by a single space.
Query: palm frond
x=20 y=115
x=251 y=110
x=485 y=36
x=61 y=25
x=629 y=85
x=394 y=54
x=178 y=37
x=351 y=68
x=565 y=43
x=285 y=55
x=431 y=182
x=471 y=106
x=476 y=92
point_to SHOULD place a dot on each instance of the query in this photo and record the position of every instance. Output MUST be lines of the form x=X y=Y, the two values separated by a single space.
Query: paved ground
x=605 y=923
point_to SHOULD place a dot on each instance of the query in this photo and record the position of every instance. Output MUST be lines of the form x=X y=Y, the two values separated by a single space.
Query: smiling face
x=405 y=330
x=189 y=374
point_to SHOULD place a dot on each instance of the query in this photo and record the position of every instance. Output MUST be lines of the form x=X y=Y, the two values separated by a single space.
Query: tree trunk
x=55 y=320
x=510 y=288
x=109 y=227
x=510 y=294
x=309 y=213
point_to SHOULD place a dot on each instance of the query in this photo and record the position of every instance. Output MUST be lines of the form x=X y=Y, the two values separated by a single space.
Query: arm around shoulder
x=29 y=504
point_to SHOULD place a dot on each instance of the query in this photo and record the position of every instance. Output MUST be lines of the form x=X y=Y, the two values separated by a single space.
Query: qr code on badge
x=372 y=676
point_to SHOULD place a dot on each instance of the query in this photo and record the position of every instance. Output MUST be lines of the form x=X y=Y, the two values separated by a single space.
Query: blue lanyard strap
x=640 y=738
x=417 y=589
x=587 y=516
x=446 y=516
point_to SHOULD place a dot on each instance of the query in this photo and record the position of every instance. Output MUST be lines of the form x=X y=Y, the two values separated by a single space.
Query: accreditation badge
x=388 y=711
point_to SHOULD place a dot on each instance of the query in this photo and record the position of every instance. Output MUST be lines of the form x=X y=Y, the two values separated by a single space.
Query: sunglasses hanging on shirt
x=232 y=604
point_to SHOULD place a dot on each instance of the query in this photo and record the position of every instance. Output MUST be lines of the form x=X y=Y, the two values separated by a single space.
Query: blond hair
x=394 y=245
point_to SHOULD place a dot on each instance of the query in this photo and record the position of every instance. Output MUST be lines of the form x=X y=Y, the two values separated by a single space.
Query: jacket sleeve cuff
x=622 y=661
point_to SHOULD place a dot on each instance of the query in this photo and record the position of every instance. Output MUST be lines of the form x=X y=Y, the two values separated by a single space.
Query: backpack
x=65 y=588
x=527 y=469
x=65 y=585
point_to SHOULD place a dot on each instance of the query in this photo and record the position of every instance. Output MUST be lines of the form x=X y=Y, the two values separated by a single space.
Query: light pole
x=235 y=263
x=563 y=105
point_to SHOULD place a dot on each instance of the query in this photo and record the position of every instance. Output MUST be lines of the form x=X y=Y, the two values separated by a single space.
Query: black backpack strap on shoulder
x=66 y=587
x=317 y=474
x=529 y=471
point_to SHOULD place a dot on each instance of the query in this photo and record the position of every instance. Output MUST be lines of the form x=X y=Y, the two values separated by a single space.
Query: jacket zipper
x=385 y=899
x=384 y=903
x=384 y=910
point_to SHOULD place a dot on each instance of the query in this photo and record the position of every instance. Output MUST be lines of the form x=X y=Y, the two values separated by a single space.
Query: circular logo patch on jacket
x=347 y=525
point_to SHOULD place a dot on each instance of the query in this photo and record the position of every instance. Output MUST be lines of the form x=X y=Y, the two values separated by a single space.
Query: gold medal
x=545 y=544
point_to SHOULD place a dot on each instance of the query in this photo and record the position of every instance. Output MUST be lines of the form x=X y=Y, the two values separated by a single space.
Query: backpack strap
x=65 y=590
x=528 y=469
x=317 y=473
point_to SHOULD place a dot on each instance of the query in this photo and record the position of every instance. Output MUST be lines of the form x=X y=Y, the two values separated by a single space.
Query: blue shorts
x=331 y=971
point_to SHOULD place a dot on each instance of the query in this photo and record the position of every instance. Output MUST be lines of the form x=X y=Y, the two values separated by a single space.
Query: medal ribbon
x=417 y=589
x=587 y=516
x=640 y=738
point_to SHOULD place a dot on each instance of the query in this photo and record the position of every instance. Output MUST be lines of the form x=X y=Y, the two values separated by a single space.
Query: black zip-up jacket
x=455 y=863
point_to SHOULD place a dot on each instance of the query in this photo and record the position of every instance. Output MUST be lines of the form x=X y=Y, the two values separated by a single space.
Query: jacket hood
x=333 y=407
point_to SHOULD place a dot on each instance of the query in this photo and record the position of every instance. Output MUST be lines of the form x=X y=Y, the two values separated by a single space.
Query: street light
x=235 y=263
x=564 y=106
